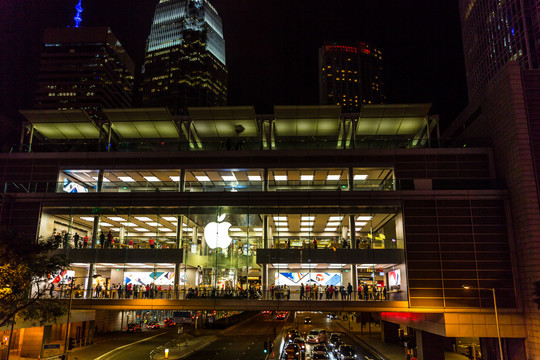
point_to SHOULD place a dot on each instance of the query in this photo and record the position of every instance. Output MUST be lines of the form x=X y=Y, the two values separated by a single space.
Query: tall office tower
x=185 y=57
x=350 y=76
x=84 y=67
x=495 y=32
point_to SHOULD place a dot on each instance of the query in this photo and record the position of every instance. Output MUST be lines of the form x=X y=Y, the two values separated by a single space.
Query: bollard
x=166 y=353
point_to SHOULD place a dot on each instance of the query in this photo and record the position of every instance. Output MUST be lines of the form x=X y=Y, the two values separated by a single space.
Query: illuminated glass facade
x=495 y=32
x=85 y=67
x=350 y=75
x=185 y=57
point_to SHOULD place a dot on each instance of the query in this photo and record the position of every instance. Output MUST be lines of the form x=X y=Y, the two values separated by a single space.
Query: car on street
x=346 y=352
x=332 y=316
x=134 y=328
x=292 y=352
x=319 y=349
x=301 y=343
x=334 y=338
x=152 y=325
x=292 y=335
x=307 y=320
x=316 y=336
x=320 y=357
x=169 y=322
x=282 y=315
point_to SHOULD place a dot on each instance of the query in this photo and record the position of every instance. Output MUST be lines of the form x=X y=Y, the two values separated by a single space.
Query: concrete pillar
x=354 y=278
x=429 y=346
x=389 y=332
x=179 y=232
x=352 y=235
x=350 y=179
x=176 y=286
x=89 y=281
x=182 y=182
x=265 y=180
x=264 y=282
x=95 y=234
x=100 y=181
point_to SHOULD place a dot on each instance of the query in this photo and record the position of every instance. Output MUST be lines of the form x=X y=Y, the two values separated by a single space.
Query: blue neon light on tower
x=77 y=17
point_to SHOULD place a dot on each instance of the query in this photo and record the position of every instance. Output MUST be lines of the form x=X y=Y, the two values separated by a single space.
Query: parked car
x=307 y=320
x=346 y=352
x=152 y=325
x=134 y=328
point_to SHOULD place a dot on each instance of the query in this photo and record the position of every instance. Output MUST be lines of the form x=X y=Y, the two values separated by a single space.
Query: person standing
x=314 y=243
x=349 y=291
x=101 y=239
x=151 y=243
x=51 y=290
x=110 y=240
x=76 y=239
x=302 y=291
x=85 y=241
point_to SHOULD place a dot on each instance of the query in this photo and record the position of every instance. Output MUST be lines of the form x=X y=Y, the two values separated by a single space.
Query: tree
x=25 y=267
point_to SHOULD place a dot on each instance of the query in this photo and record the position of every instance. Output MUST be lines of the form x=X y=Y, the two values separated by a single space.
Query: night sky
x=272 y=46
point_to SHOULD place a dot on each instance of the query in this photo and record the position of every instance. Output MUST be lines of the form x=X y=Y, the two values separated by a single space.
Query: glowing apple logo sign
x=216 y=234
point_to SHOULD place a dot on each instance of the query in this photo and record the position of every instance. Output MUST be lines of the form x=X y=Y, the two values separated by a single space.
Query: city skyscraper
x=185 y=57
x=350 y=75
x=495 y=32
x=84 y=67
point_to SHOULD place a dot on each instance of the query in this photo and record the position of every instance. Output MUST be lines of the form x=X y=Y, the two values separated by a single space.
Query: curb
x=373 y=351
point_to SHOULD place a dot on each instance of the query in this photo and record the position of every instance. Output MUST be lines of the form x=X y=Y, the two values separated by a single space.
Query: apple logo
x=216 y=234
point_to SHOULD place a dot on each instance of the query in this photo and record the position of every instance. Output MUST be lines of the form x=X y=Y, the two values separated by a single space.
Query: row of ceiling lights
x=204 y=178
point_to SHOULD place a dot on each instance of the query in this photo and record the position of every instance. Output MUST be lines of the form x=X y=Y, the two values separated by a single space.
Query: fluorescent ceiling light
x=281 y=223
x=175 y=178
x=151 y=178
x=366 y=266
x=104 y=179
x=333 y=177
x=280 y=218
x=306 y=223
x=164 y=229
x=364 y=218
x=202 y=178
x=170 y=218
x=281 y=266
x=306 y=229
x=335 y=218
x=187 y=229
x=333 y=223
x=126 y=178
x=228 y=178
x=306 y=177
x=330 y=229
x=116 y=218
x=360 y=177
x=235 y=229
x=143 y=218
x=105 y=224
x=280 y=177
x=129 y=224
x=308 y=266
x=254 y=177
x=361 y=223
x=282 y=229
x=87 y=218
x=336 y=266
x=115 y=229
x=257 y=229
x=309 y=218
x=153 y=223
x=141 y=229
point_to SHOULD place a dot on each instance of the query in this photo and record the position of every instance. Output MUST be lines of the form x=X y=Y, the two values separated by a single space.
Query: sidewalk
x=388 y=351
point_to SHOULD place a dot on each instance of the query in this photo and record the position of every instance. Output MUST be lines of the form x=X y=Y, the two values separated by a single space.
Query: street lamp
x=69 y=310
x=496 y=315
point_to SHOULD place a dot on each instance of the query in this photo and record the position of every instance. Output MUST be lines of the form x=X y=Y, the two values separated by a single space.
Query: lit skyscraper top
x=185 y=57
x=173 y=17
x=495 y=32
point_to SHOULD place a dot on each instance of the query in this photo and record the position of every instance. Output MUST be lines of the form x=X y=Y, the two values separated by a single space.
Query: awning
x=224 y=122
x=395 y=119
x=149 y=123
x=307 y=120
x=62 y=125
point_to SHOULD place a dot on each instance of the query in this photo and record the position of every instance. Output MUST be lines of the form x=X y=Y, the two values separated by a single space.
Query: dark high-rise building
x=350 y=76
x=495 y=32
x=84 y=67
x=185 y=57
